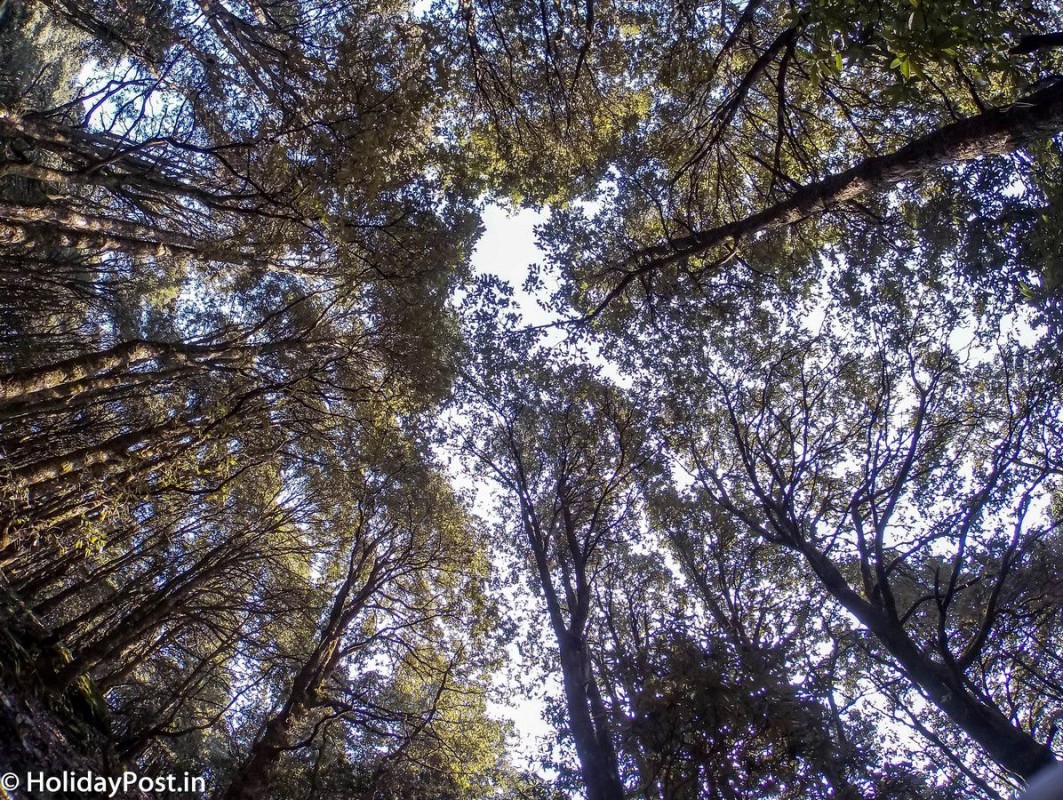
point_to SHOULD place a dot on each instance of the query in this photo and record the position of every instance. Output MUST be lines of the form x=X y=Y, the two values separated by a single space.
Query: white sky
x=507 y=249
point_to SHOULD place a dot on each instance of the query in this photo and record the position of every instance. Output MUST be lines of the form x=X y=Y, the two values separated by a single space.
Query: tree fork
x=1008 y=745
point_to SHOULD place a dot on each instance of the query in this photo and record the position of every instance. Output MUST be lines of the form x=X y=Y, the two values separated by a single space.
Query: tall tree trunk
x=1008 y=745
x=252 y=779
x=23 y=222
x=95 y=372
x=586 y=714
x=100 y=458
x=993 y=132
x=142 y=621
x=75 y=370
x=60 y=399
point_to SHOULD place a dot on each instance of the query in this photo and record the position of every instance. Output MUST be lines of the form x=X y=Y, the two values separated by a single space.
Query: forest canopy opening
x=739 y=461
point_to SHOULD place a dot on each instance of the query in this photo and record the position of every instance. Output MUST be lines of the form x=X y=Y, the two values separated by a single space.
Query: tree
x=211 y=304
x=401 y=560
x=784 y=476
x=568 y=464
x=792 y=124
x=907 y=481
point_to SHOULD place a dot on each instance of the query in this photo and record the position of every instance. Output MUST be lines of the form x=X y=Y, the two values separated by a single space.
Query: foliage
x=776 y=501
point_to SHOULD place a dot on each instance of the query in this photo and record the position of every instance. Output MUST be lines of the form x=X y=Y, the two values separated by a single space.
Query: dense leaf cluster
x=771 y=510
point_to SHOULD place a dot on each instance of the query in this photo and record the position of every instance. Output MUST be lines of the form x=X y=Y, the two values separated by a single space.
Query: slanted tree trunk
x=1008 y=745
x=993 y=132
x=76 y=370
x=100 y=370
x=252 y=779
x=146 y=617
x=100 y=458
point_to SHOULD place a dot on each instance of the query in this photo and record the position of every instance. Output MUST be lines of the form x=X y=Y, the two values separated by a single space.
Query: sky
x=507 y=249
x=507 y=246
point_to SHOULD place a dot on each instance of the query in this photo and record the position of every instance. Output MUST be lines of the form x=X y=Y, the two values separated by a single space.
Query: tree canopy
x=293 y=498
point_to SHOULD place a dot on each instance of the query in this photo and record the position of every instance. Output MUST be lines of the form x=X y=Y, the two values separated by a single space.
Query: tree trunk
x=251 y=781
x=586 y=714
x=993 y=132
x=111 y=233
x=61 y=398
x=94 y=372
x=99 y=458
x=39 y=379
x=1009 y=746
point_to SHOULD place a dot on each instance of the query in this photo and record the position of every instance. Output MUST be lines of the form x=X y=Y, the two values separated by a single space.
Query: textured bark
x=97 y=458
x=94 y=372
x=110 y=233
x=132 y=236
x=111 y=162
x=25 y=382
x=252 y=779
x=58 y=399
